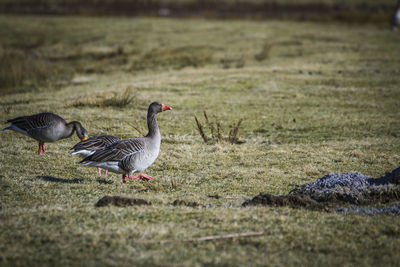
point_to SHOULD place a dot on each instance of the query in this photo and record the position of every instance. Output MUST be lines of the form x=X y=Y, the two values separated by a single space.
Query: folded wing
x=95 y=143
x=117 y=151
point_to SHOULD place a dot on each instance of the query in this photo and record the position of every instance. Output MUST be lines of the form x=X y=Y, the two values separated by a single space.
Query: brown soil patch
x=121 y=201
x=192 y=204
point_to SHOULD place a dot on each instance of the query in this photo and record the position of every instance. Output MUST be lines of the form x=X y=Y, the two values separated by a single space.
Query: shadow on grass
x=60 y=180
x=121 y=201
x=69 y=181
x=104 y=181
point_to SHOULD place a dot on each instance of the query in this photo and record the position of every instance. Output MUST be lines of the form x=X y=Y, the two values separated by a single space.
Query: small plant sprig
x=216 y=131
x=234 y=132
x=7 y=109
x=200 y=127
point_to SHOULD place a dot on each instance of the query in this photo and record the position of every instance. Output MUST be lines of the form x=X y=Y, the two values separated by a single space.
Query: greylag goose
x=89 y=146
x=46 y=127
x=131 y=155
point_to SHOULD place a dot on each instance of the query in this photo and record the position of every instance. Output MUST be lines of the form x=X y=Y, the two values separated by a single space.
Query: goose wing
x=117 y=151
x=95 y=143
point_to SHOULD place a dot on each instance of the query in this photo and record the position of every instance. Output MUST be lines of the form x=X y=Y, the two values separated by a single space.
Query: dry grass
x=264 y=53
x=216 y=131
x=105 y=99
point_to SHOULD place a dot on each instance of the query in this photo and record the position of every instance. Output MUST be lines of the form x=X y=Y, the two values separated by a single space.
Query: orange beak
x=165 y=107
x=84 y=139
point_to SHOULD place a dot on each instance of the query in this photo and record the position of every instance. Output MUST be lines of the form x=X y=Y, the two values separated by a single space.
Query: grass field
x=315 y=98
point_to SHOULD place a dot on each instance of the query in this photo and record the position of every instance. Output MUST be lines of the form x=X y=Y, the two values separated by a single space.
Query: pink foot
x=105 y=175
x=141 y=176
x=41 y=149
x=99 y=171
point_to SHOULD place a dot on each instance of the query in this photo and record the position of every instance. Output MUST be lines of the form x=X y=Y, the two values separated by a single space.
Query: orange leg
x=141 y=176
x=41 y=149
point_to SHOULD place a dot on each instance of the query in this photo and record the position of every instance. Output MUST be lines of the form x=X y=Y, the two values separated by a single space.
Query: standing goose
x=46 y=127
x=131 y=155
x=89 y=146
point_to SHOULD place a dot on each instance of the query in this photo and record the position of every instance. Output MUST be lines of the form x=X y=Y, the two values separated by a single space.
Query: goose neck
x=70 y=129
x=152 y=125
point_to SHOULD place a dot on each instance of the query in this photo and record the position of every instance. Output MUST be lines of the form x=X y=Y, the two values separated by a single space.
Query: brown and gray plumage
x=89 y=146
x=46 y=127
x=131 y=155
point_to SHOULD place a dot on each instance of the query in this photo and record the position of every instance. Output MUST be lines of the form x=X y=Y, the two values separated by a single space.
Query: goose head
x=157 y=107
x=81 y=132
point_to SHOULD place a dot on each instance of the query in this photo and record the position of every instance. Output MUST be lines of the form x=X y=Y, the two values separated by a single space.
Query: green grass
x=322 y=98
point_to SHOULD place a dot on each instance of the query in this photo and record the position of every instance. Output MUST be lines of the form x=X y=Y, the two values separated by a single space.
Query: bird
x=89 y=146
x=46 y=127
x=132 y=155
x=395 y=19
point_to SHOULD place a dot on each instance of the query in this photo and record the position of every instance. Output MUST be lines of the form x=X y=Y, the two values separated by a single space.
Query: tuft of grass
x=264 y=53
x=201 y=131
x=7 y=109
x=233 y=133
x=216 y=131
x=117 y=99
x=121 y=100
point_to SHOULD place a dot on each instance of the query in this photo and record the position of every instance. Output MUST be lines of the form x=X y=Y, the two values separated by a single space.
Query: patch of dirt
x=381 y=194
x=191 y=204
x=121 y=201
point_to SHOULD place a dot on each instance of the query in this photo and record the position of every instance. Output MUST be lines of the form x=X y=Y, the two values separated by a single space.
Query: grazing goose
x=89 y=146
x=131 y=155
x=46 y=127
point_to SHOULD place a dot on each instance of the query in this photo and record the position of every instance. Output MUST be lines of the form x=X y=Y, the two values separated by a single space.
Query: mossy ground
x=315 y=98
